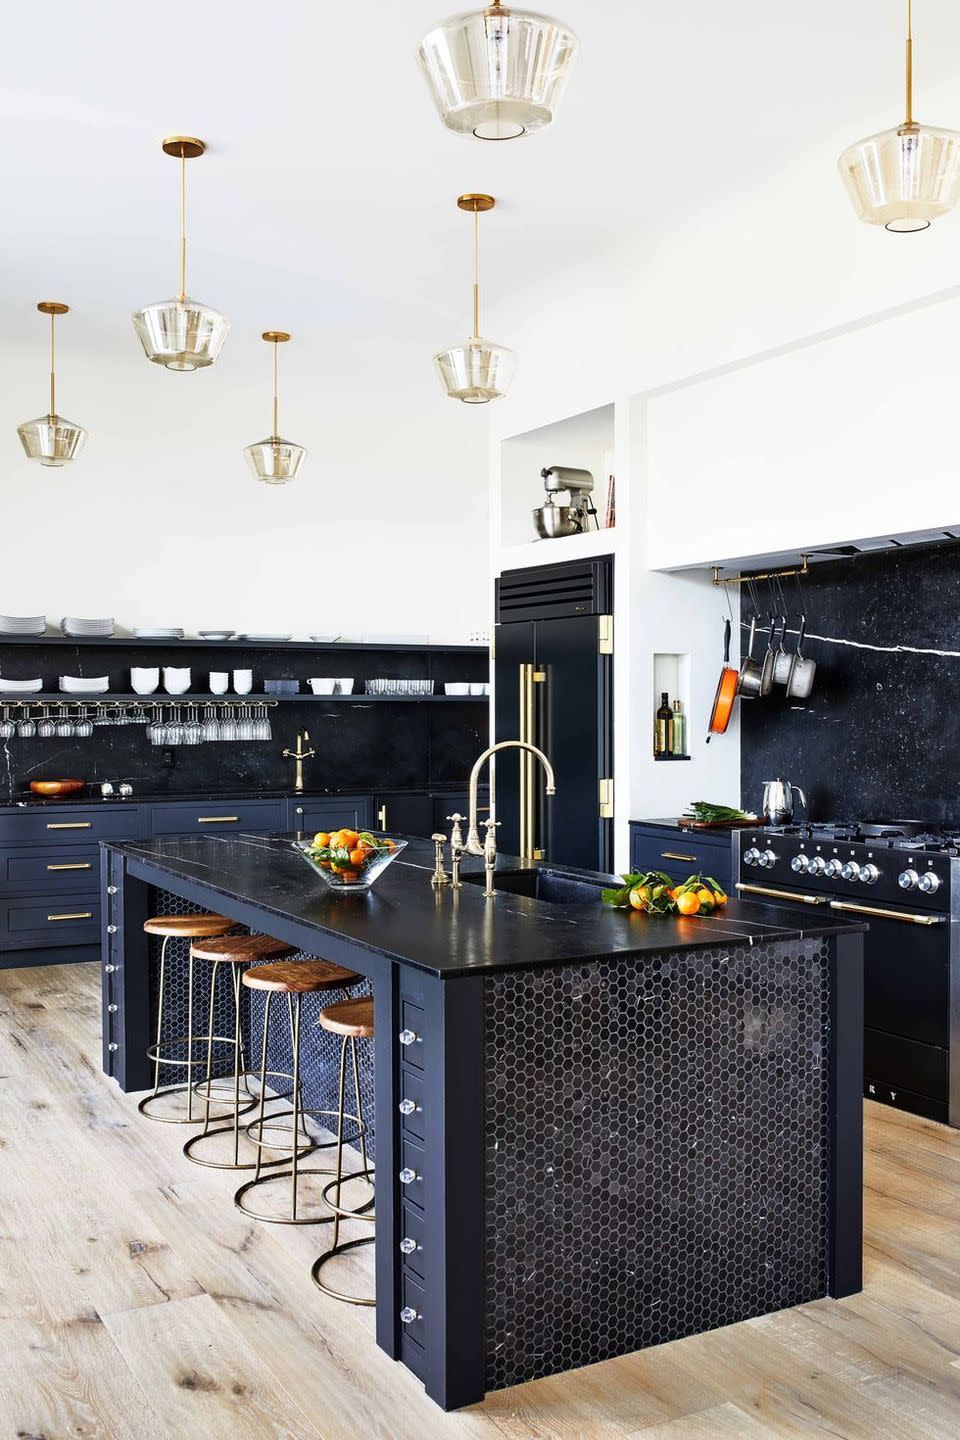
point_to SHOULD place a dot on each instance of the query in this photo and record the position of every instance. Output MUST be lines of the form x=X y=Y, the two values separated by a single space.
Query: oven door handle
x=906 y=919
x=783 y=894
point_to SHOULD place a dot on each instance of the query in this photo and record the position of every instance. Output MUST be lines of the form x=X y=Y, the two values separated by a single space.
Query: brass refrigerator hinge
x=605 y=627
x=606 y=799
x=539 y=677
x=537 y=855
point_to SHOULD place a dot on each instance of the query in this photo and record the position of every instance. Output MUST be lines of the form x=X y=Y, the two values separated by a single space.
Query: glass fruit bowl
x=349 y=859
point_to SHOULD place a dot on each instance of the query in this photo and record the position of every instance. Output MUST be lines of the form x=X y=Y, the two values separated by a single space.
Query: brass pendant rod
x=53 y=354
x=719 y=579
x=183 y=226
x=276 y=400
x=909 y=119
x=476 y=274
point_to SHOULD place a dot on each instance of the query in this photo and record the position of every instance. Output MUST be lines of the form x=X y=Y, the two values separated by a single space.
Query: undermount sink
x=552 y=886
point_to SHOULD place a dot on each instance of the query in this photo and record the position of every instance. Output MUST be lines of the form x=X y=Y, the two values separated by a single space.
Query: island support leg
x=125 y=975
x=846 y=1138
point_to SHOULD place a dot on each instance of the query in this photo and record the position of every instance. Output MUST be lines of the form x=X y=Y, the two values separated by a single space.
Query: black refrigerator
x=553 y=668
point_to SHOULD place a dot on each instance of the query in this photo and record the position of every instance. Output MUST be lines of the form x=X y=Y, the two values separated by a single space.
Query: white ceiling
x=326 y=201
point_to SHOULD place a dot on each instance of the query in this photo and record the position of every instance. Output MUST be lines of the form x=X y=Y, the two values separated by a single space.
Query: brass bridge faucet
x=299 y=755
x=488 y=848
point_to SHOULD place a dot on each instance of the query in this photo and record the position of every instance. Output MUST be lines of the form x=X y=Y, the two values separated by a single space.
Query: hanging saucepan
x=769 y=660
x=782 y=659
x=802 y=670
x=726 y=690
x=751 y=671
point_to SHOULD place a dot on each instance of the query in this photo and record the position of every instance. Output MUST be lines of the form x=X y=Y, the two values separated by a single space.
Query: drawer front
x=680 y=856
x=338 y=813
x=45 y=870
x=215 y=817
x=413 y=1047
x=411 y=1093
x=413 y=1230
x=70 y=825
x=412 y=1162
x=58 y=920
x=414 y=1300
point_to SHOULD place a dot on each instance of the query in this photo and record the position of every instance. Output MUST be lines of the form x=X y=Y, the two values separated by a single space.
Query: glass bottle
x=678 y=737
x=663 y=726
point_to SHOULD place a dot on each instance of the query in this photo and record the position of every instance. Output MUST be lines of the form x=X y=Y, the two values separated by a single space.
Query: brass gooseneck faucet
x=299 y=755
x=488 y=848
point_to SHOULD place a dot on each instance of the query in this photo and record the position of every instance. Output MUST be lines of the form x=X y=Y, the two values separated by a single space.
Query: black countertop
x=455 y=933
x=92 y=796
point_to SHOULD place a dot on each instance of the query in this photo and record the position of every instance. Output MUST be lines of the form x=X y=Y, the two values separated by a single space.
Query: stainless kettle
x=778 y=796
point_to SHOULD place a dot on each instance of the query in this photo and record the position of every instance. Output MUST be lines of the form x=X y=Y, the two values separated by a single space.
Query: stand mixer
x=568 y=508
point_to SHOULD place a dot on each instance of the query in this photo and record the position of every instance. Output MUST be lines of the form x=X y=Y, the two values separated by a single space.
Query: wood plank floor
x=135 y=1300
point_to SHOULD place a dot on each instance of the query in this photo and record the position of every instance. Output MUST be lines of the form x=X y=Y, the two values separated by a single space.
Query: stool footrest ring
x=332 y=1254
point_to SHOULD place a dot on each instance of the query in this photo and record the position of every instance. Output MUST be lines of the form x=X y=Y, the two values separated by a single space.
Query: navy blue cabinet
x=335 y=812
x=662 y=845
x=198 y=817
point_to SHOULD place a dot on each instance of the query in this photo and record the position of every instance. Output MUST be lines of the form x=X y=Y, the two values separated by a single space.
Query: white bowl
x=242 y=682
x=322 y=686
x=175 y=680
x=456 y=687
x=144 y=680
x=219 y=682
x=346 y=686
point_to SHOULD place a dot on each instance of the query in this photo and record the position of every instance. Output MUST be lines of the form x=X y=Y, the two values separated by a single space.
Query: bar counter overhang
x=631 y=1128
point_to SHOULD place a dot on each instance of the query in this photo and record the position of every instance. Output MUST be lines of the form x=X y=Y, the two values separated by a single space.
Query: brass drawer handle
x=783 y=894
x=69 y=824
x=382 y=817
x=80 y=915
x=85 y=865
x=675 y=855
x=910 y=919
x=217 y=819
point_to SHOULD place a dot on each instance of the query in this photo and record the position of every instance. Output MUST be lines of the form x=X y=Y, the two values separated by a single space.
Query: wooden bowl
x=57 y=787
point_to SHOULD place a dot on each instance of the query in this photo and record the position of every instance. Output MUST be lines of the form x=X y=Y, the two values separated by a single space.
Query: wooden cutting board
x=686 y=823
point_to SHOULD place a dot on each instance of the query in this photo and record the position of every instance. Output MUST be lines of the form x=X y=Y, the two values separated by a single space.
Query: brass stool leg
x=339 y=1211
x=237 y=1108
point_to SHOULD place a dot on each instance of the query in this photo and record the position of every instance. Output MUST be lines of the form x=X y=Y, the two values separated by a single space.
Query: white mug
x=219 y=682
x=346 y=686
x=242 y=682
x=144 y=681
x=176 y=681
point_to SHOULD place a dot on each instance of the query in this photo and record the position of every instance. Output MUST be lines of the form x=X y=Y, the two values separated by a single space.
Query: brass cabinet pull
x=783 y=894
x=80 y=915
x=910 y=919
x=85 y=865
x=69 y=824
x=675 y=855
x=382 y=817
x=217 y=819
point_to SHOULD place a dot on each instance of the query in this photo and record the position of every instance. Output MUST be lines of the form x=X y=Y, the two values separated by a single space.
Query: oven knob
x=929 y=882
x=851 y=871
x=869 y=874
x=768 y=859
x=833 y=868
x=800 y=863
x=908 y=880
x=752 y=856
x=817 y=865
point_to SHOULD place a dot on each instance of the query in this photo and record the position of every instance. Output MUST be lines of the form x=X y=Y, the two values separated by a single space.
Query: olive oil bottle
x=663 y=727
x=678 y=733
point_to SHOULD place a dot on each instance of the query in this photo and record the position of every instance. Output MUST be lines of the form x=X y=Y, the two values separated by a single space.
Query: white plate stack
x=157 y=632
x=21 y=687
x=84 y=685
x=87 y=629
x=31 y=625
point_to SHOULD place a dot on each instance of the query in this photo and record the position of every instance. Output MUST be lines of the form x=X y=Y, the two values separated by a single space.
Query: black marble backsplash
x=879 y=737
x=359 y=746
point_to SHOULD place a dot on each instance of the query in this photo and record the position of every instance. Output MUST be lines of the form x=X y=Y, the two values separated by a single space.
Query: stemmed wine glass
x=211 y=725
x=26 y=727
x=83 y=725
x=46 y=728
x=7 y=726
x=228 y=725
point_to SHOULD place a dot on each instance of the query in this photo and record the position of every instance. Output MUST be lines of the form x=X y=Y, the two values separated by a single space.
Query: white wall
x=383 y=531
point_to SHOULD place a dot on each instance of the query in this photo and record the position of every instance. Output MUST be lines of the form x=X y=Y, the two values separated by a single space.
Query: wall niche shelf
x=671 y=673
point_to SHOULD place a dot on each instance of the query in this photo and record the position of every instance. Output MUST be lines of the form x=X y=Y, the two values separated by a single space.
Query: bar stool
x=353 y=1019
x=294 y=979
x=177 y=927
x=235 y=952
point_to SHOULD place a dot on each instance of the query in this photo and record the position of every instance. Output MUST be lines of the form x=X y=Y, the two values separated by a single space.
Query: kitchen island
x=628 y=1128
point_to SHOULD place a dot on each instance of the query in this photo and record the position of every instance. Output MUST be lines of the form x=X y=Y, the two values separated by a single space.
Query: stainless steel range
x=904 y=880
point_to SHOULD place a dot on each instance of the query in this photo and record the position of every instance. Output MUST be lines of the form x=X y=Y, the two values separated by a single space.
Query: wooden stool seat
x=187 y=927
x=242 y=949
x=349 y=1017
x=299 y=977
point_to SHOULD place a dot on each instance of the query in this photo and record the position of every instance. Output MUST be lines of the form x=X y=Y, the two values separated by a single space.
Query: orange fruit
x=639 y=896
x=349 y=875
x=688 y=904
x=359 y=855
x=322 y=839
x=719 y=898
x=348 y=838
x=706 y=898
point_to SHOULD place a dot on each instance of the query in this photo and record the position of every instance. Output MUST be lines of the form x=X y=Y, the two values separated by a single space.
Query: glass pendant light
x=497 y=73
x=274 y=461
x=51 y=439
x=904 y=178
x=181 y=334
x=477 y=370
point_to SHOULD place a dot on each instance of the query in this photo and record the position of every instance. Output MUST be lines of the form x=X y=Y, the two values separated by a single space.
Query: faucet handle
x=456 y=834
